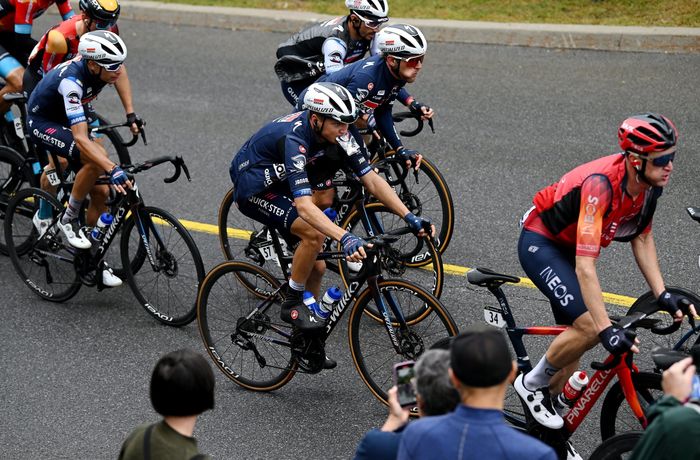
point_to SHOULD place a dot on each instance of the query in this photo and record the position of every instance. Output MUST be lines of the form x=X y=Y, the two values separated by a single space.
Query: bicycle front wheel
x=243 y=334
x=426 y=195
x=14 y=174
x=683 y=339
x=169 y=277
x=616 y=416
x=372 y=347
x=618 y=447
x=406 y=258
x=46 y=263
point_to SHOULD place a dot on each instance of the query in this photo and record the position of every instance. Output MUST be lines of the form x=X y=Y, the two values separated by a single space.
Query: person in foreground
x=435 y=395
x=182 y=387
x=674 y=421
x=481 y=368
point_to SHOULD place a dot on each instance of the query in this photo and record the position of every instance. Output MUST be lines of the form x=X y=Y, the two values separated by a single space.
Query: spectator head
x=480 y=358
x=182 y=384
x=435 y=393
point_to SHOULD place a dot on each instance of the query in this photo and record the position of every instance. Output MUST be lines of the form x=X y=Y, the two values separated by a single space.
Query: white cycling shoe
x=571 y=453
x=74 y=234
x=539 y=403
x=109 y=279
x=41 y=225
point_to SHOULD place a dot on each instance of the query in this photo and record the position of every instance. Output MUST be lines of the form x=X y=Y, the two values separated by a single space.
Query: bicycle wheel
x=14 y=174
x=616 y=415
x=168 y=281
x=371 y=346
x=255 y=352
x=426 y=195
x=44 y=264
x=683 y=339
x=404 y=259
x=113 y=143
x=618 y=447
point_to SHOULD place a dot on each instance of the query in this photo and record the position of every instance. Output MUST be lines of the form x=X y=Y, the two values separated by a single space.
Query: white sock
x=540 y=376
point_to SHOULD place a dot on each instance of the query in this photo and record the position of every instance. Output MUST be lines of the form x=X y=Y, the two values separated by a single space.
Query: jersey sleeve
x=65 y=9
x=334 y=51
x=403 y=96
x=24 y=16
x=357 y=158
x=596 y=196
x=386 y=125
x=295 y=151
x=72 y=94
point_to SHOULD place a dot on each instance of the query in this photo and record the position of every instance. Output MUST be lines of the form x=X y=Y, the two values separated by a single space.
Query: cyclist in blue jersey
x=328 y=46
x=271 y=172
x=58 y=122
x=377 y=81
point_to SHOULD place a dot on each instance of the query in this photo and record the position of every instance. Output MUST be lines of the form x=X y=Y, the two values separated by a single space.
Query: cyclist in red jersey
x=611 y=198
x=16 y=42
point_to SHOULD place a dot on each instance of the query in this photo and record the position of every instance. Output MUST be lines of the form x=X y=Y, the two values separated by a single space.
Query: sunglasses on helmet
x=412 y=61
x=373 y=23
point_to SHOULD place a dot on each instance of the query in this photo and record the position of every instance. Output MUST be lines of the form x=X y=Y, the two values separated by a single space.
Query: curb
x=607 y=38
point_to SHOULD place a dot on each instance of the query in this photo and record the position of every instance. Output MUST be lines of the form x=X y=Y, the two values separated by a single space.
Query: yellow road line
x=450 y=269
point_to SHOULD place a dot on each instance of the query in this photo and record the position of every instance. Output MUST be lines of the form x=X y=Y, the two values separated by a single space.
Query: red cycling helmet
x=647 y=133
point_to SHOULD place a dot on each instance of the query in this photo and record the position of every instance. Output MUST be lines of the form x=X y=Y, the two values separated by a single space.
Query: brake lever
x=432 y=126
x=184 y=168
x=143 y=134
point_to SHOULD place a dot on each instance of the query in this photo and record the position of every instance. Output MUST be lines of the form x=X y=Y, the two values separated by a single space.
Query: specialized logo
x=533 y=249
x=294 y=314
x=554 y=283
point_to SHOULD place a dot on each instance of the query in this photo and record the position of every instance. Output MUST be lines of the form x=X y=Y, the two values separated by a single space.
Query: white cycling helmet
x=331 y=100
x=402 y=41
x=103 y=47
x=376 y=10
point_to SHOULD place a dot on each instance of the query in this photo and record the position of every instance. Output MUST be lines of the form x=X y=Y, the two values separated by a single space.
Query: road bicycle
x=413 y=258
x=21 y=163
x=154 y=245
x=238 y=312
x=681 y=336
x=626 y=382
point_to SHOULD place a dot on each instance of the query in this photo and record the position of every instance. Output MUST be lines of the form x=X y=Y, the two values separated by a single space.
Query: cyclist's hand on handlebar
x=134 y=121
x=119 y=179
x=412 y=157
x=353 y=247
x=618 y=341
x=678 y=379
x=419 y=225
x=422 y=110
x=675 y=305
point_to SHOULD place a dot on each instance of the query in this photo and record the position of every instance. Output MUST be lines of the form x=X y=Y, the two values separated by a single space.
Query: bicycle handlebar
x=685 y=308
x=134 y=138
x=694 y=213
x=401 y=116
x=177 y=161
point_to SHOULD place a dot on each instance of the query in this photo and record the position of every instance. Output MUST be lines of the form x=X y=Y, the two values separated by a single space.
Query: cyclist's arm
x=591 y=291
x=123 y=87
x=382 y=191
x=313 y=215
x=64 y=7
x=334 y=51
x=644 y=250
x=385 y=124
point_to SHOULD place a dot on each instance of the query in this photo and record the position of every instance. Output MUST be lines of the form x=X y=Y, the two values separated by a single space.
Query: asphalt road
x=510 y=120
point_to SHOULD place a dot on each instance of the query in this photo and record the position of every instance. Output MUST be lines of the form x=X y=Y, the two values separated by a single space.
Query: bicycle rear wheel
x=371 y=346
x=44 y=264
x=683 y=339
x=168 y=280
x=618 y=447
x=426 y=195
x=244 y=335
x=616 y=415
x=405 y=258
x=14 y=174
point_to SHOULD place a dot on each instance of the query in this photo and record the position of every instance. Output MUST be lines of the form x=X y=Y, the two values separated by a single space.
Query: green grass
x=665 y=13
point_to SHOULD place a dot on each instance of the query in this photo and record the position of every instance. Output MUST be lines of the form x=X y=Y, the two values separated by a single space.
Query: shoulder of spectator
x=374 y=440
x=662 y=405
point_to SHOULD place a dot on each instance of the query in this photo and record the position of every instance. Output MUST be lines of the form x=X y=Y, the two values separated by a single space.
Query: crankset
x=309 y=351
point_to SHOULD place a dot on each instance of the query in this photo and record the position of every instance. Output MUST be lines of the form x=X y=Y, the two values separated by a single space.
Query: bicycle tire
x=616 y=446
x=115 y=148
x=46 y=264
x=15 y=173
x=412 y=251
x=178 y=307
x=222 y=304
x=372 y=350
x=650 y=340
x=432 y=200
x=612 y=421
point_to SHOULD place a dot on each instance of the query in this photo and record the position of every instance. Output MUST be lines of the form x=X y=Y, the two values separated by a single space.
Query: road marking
x=450 y=269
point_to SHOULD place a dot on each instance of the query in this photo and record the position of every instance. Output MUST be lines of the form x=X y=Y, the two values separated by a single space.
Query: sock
x=44 y=210
x=296 y=286
x=540 y=376
x=72 y=210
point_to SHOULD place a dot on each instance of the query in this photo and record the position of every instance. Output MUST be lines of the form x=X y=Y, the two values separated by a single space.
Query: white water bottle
x=573 y=389
x=329 y=301
x=103 y=222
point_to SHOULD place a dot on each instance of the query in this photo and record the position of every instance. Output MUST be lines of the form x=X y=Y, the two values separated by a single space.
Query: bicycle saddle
x=488 y=278
x=665 y=358
x=9 y=97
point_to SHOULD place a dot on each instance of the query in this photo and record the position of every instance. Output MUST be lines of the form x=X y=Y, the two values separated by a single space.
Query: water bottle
x=310 y=302
x=329 y=301
x=331 y=214
x=103 y=222
x=695 y=391
x=572 y=390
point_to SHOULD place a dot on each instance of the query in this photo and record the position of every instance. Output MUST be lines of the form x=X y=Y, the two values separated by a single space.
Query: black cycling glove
x=616 y=340
x=416 y=108
x=670 y=302
x=132 y=118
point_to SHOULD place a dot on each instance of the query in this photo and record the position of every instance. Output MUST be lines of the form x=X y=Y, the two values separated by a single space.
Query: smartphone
x=403 y=379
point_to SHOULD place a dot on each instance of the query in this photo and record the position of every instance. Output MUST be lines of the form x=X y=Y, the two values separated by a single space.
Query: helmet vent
x=649 y=133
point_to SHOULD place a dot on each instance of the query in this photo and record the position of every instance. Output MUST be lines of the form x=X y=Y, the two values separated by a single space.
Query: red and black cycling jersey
x=18 y=15
x=589 y=207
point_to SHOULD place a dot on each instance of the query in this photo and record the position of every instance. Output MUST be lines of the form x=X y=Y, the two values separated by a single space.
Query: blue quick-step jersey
x=61 y=94
x=374 y=89
x=284 y=149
